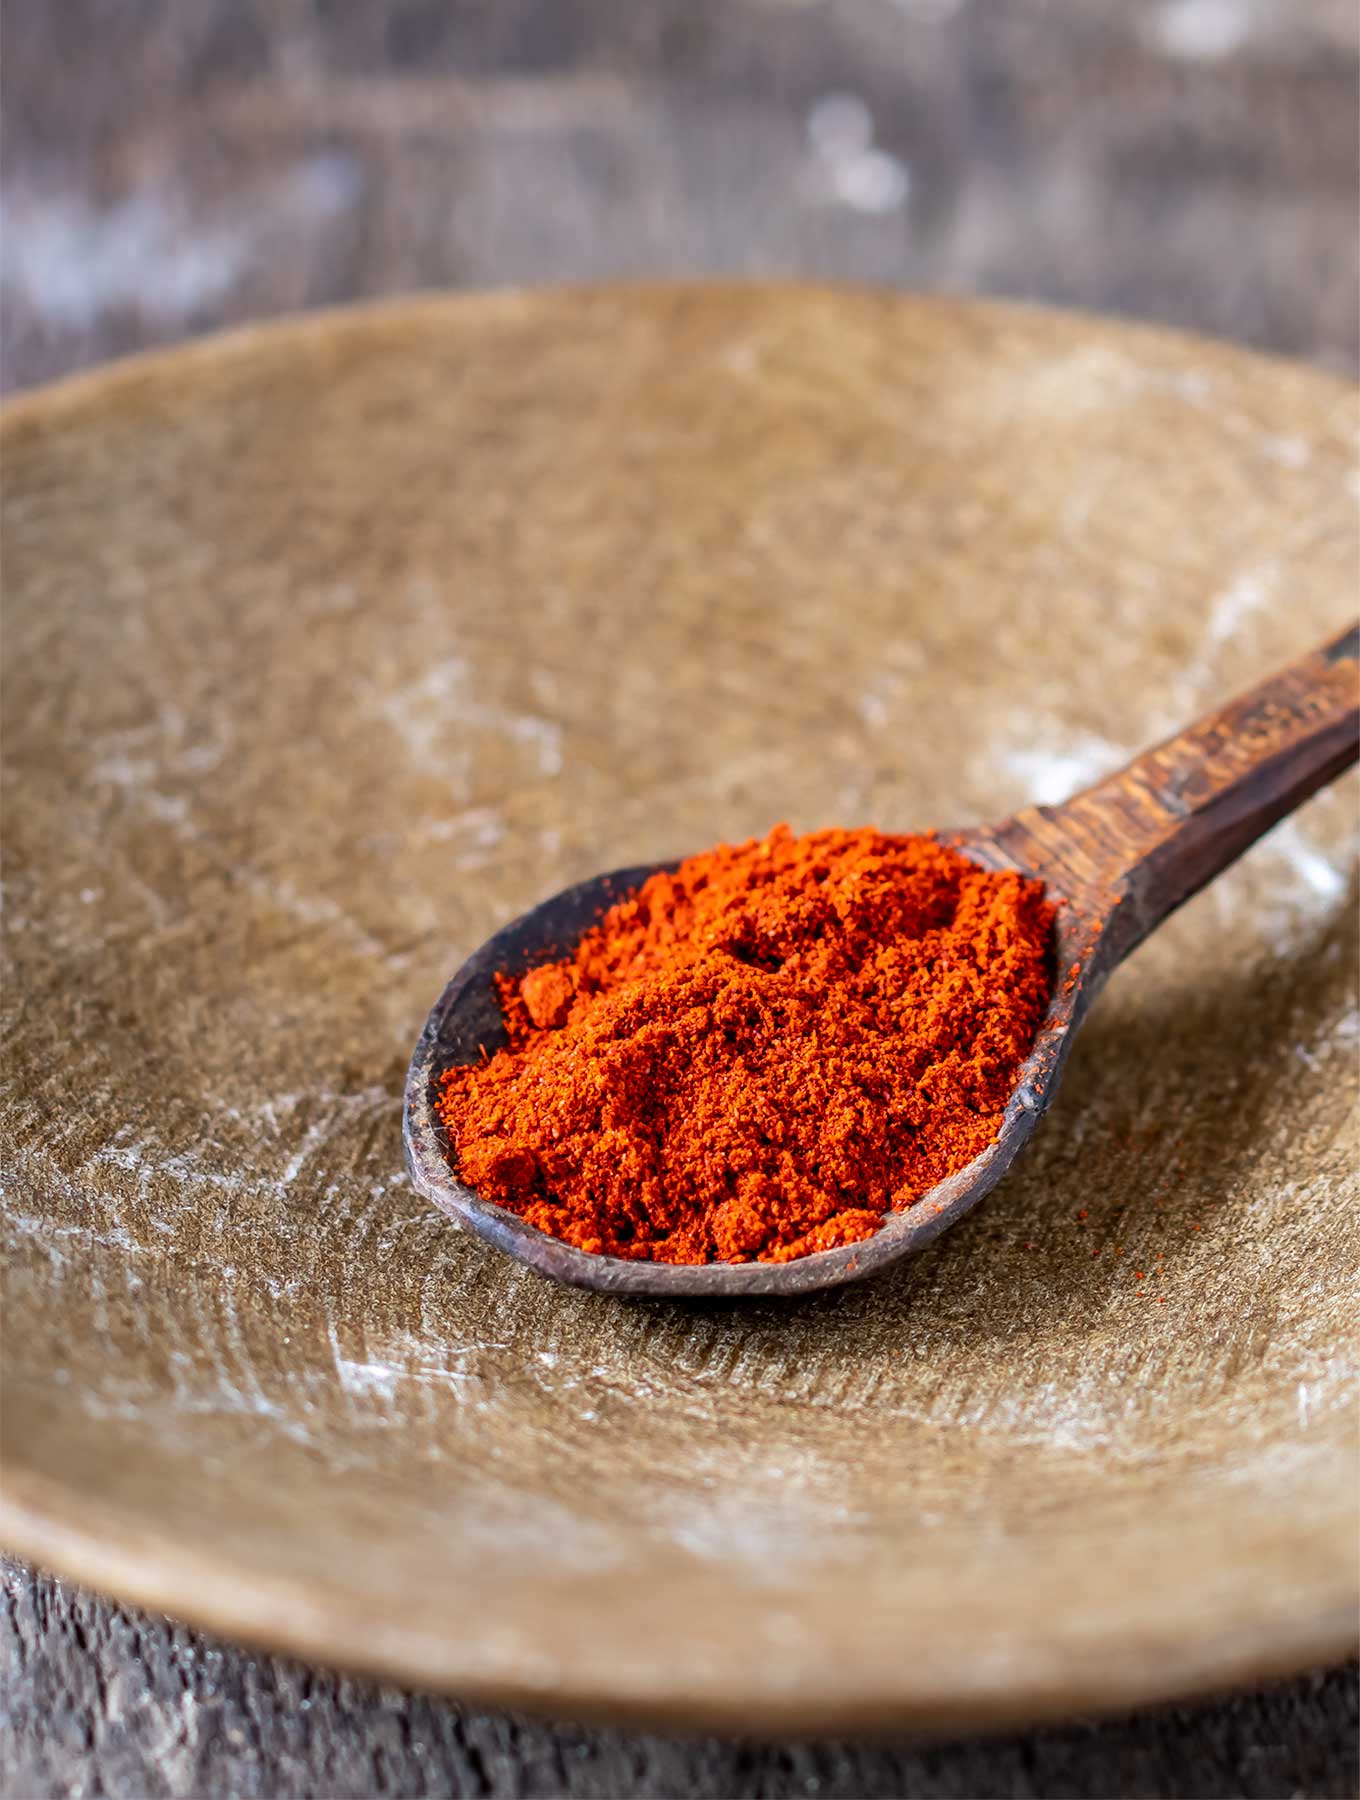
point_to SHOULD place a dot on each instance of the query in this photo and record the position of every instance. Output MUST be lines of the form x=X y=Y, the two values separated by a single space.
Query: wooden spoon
x=1121 y=856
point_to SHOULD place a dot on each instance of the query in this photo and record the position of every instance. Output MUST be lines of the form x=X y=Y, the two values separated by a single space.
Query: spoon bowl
x=1117 y=858
x=466 y=1020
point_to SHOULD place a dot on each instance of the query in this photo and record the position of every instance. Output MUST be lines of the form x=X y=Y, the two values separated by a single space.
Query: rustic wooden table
x=176 y=167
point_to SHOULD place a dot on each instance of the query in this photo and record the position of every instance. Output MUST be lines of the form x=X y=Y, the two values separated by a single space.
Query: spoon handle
x=1150 y=835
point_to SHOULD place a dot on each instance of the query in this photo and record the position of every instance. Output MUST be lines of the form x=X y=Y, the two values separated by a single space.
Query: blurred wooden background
x=171 y=166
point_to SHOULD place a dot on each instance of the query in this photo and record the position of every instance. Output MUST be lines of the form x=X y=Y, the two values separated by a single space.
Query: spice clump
x=758 y=1055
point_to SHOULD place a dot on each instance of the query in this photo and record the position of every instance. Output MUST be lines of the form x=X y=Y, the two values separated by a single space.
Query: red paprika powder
x=756 y=1056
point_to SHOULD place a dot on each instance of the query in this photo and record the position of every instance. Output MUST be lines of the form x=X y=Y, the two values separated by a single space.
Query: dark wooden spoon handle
x=1151 y=835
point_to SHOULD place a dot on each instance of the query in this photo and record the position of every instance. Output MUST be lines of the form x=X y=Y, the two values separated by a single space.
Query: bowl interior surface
x=330 y=647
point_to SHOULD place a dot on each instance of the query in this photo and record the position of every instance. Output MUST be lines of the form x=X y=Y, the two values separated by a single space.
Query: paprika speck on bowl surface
x=756 y=1056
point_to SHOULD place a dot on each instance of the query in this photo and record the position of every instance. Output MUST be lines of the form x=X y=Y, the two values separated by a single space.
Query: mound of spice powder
x=756 y=1056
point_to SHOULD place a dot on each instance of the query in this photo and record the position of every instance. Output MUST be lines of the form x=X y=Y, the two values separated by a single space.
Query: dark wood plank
x=181 y=166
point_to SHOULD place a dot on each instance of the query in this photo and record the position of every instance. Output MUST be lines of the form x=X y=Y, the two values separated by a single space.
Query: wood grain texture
x=219 y=160
x=296 y=707
x=101 y=1700
x=264 y=160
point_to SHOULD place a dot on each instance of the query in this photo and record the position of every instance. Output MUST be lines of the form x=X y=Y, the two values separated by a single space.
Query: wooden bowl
x=333 y=645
